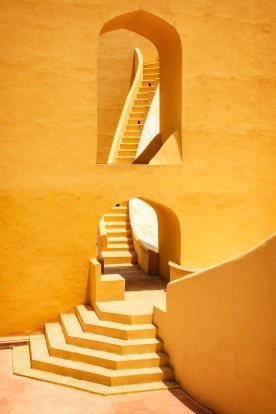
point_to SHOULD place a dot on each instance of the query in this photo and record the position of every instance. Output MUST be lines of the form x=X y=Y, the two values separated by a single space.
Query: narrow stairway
x=101 y=351
x=134 y=127
x=119 y=248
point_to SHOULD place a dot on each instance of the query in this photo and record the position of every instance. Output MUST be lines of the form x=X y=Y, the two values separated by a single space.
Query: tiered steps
x=119 y=247
x=104 y=357
x=134 y=127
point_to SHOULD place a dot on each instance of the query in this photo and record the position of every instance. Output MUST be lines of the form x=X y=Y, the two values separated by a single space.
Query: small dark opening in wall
x=149 y=83
x=138 y=122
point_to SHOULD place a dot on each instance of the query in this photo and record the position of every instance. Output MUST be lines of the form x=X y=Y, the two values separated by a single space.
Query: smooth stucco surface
x=219 y=330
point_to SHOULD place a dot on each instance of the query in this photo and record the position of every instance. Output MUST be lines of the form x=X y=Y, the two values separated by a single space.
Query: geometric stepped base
x=58 y=347
x=102 y=356
x=22 y=367
x=94 y=373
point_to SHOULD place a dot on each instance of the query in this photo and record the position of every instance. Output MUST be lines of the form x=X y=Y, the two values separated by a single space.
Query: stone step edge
x=22 y=367
x=57 y=346
x=91 y=318
x=91 y=337
x=118 y=253
x=41 y=356
x=128 y=319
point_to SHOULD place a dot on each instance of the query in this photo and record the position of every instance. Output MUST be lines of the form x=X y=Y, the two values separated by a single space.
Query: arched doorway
x=167 y=42
x=115 y=228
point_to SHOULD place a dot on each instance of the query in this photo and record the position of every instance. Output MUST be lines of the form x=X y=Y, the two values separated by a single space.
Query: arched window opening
x=158 y=39
x=139 y=231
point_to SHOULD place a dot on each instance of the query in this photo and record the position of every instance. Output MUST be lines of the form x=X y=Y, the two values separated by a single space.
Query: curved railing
x=128 y=106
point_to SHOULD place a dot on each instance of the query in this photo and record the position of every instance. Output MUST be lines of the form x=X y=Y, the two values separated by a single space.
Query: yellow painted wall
x=219 y=330
x=52 y=193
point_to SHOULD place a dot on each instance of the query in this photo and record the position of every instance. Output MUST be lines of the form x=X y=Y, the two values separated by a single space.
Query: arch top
x=145 y=24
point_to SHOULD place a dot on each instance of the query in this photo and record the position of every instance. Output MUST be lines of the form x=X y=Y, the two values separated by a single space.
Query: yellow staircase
x=134 y=127
x=104 y=356
x=119 y=248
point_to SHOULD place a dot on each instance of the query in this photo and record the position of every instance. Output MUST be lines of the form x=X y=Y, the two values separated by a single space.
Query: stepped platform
x=109 y=349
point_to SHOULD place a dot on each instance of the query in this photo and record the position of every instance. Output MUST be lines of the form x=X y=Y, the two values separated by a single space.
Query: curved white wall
x=143 y=222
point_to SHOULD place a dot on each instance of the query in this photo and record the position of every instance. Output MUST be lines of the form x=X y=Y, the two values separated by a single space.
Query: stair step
x=131 y=140
x=135 y=127
x=141 y=102
x=58 y=347
x=122 y=204
x=137 y=121
x=142 y=95
x=127 y=153
x=117 y=257
x=150 y=77
x=122 y=315
x=90 y=322
x=21 y=364
x=147 y=89
x=117 y=224
x=151 y=71
x=138 y=109
x=119 y=240
x=152 y=65
x=129 y=146
x=84 y=371
x=119 y=232
x=74 y=335
x=153 y=82
x=121 y=246
x=116 y=217
x=125 y=160
x=132 y=134
x=119 y=209
x=137 y=115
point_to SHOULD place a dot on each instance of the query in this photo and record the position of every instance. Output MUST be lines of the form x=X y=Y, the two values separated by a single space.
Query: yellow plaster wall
x=52 y=193
x=219 y=330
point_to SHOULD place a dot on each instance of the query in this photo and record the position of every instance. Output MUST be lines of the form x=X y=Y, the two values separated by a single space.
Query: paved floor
x=20 y=395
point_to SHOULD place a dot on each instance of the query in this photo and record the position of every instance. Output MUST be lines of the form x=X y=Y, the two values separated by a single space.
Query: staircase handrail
x=138 y=58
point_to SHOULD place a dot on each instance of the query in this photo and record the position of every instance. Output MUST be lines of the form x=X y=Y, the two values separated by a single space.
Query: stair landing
x=143 y=292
